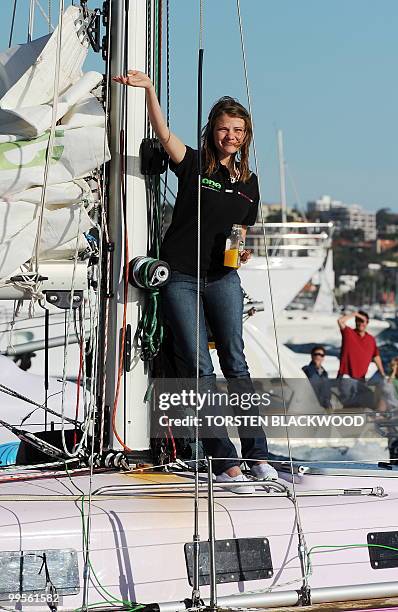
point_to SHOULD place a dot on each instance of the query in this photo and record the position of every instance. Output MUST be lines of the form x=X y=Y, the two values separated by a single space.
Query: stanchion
x=212 y=536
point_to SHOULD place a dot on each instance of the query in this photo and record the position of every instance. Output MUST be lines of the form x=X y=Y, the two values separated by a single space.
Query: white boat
x=92 y=536
x=297 y=326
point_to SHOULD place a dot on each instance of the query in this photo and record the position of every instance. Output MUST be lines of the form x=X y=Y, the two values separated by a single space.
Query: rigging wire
x=91 y=415
x=302 y=545
x=13 y=393
x=68 y=320
x=87 y=539
x=32 y=7
x=12 y=23
x=165 y=186
x=104 y=279
x=125 y=294
x=50 y=26
x=51 y=140
x=196 y=534
x=46 y=16
x=296 y=193
x=85 y=531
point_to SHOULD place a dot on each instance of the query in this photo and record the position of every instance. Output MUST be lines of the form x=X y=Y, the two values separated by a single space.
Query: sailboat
x=296 y=326
x=86 y=522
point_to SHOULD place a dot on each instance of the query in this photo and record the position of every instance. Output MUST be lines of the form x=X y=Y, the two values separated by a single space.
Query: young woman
x=229 y=195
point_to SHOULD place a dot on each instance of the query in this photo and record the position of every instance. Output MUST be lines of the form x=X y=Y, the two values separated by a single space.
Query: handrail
x=298 y=224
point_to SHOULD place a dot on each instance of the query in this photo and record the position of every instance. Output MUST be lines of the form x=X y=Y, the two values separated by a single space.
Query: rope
x=87 y=538
x=68 y=320
x=302 y=544
x=149 y=333
x=92 y=409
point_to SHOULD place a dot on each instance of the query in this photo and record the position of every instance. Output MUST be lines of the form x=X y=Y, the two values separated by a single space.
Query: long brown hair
x=233 y=108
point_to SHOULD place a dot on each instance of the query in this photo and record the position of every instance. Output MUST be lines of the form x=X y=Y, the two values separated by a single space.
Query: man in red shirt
x=358 y=349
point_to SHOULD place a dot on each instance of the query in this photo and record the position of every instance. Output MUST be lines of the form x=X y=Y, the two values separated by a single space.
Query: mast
x=282 y=177
x=128 y=121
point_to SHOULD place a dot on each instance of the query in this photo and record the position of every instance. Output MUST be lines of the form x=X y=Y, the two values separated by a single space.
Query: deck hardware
x=212 y=536
x=62 y=299
x=236 y=560
x=305 y=595
x=381 y=552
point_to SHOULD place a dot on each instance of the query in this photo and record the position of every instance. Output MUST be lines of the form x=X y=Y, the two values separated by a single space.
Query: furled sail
x=325 y=299
x=27 y=71
x=80 y=146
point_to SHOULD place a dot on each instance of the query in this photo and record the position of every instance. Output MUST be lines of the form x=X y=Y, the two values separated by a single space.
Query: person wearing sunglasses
x=318 y=376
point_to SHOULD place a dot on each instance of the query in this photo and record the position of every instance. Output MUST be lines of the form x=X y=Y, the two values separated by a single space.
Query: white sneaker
x=245 y=489
x=264 y=471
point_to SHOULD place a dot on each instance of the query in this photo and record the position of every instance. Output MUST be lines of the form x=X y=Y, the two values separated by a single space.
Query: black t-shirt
x=222 y=204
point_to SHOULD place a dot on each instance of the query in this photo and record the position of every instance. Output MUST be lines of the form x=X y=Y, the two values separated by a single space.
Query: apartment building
x=344 y=216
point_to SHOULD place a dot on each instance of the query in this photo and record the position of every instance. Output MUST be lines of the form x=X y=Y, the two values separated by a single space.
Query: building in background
x=343 y=216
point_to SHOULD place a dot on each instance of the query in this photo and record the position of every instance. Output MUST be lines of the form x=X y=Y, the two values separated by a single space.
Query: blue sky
x=323 y=71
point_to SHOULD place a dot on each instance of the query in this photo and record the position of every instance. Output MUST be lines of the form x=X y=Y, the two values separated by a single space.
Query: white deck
x=137 y=538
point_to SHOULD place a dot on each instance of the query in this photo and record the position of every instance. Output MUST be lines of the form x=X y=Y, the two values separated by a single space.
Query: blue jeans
x=221 y=301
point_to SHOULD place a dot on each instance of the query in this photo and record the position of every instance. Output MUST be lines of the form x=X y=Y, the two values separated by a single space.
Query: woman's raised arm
x=171 y=143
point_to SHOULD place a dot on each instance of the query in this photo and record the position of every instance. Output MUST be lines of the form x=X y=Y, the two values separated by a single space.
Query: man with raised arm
x=358 y=349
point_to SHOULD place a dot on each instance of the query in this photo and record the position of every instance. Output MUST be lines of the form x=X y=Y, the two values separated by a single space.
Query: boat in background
x=298 y=326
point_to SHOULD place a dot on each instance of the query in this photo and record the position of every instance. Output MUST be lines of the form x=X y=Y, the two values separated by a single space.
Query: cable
x=125 y=295
x=50 y=146
x=132 y=606
x=343 y=547
x=196 y=535
x=17 y=395
x=103 y=316
x=78 y=391
x=164 y=202
x=46 y=16
x=50 y=26
x=12 y=23
x=31 y=20
x=68 y=319
x=302 y=544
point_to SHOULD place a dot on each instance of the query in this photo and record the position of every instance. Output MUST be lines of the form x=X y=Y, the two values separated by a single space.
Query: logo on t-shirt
x=209 y=184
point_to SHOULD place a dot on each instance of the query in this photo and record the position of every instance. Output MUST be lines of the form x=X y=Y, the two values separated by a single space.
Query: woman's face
x=228 y=135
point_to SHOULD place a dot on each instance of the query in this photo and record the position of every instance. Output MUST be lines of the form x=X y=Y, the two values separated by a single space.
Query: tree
x=355 y=235
x=384 y=217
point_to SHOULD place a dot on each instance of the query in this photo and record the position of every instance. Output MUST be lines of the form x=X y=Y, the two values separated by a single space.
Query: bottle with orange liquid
x=233 y=247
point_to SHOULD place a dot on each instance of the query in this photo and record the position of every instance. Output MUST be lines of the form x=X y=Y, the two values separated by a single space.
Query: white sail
x=325 y=299
x=18 y=221
x=76 y=153
x=32 y=121
x=27 y=71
